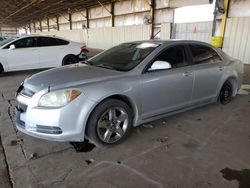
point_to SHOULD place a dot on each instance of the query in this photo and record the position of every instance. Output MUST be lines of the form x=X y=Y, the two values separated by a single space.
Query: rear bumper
x=82 y=56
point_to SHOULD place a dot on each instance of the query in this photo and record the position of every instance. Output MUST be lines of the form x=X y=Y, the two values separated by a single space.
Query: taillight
x=84 y=49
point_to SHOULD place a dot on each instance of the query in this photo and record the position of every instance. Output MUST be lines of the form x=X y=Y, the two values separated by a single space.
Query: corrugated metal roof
x=17 y=12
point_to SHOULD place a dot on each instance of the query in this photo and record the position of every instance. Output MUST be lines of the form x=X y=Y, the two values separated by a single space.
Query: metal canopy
x=20 y=12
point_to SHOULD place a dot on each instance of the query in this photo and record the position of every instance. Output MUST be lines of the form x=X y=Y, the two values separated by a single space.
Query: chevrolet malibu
x=123 y=87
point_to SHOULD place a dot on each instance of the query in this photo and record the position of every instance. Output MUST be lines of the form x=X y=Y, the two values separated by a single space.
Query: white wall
x=106 y=37
x=237 y=38
x=165 y=31
x=182 y=3
x=7 y=30
x=239 y=8
x=201 y=31
x=237 y=32
x=78 y=35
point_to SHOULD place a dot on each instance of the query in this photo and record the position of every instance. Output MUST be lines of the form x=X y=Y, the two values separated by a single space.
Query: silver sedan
x=123 y=87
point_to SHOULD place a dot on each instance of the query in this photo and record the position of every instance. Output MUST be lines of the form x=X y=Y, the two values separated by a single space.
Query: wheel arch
x=2 y=69
x=233 y=81
x=128 y=101
x=120 y=97
x=66 y=56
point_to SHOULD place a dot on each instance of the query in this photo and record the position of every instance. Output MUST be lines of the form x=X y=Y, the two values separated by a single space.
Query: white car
x=35 y=51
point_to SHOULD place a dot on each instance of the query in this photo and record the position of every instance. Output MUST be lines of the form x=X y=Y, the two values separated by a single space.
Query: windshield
x=123 y=57
x=5 y=42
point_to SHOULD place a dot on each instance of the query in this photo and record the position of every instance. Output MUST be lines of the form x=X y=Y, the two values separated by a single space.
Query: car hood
x=69 y=76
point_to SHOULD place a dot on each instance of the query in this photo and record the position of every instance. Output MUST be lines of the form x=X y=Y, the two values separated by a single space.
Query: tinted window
x=203 y=54
x=124 y=56
x=175 y=56
x=24 y=43
x=48 y=41
x=62 y=42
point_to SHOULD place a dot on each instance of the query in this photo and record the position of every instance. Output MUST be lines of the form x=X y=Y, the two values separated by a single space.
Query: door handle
x=221 y=68
x=187 y=73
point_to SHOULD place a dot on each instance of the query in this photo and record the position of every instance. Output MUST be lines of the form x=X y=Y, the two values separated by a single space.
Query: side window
x=203 y=54
x=25 y=43
x=175 y=56
x=46 y=41
x=62 y=42
x=216 y=57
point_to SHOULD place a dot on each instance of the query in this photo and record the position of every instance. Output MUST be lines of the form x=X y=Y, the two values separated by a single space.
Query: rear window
x=62 y=42
x=48 y=41
x=203 y=54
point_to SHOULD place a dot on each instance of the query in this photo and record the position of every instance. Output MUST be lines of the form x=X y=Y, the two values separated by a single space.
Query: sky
x=198 y=13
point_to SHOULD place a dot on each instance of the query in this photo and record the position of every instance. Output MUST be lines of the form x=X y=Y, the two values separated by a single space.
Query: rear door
x=208 y=68
x=51 y=51
x=24 y=56
x=168 y=90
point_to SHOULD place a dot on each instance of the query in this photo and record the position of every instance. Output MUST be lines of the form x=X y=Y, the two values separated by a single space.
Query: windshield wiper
x=105 y=66
x=87 y=62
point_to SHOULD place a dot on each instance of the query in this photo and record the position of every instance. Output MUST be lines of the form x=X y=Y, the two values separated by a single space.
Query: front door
x=167 y=90
x=24 y=55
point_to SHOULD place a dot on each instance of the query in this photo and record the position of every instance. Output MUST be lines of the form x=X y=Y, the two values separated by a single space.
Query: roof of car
x=36 y=35
x=155 y=41
x=174 y=41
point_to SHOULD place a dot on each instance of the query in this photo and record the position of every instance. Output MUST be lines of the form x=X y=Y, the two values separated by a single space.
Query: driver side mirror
x=160 y=65
x=12 y=47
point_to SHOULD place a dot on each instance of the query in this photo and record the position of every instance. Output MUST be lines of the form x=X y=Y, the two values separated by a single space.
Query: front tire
x=70 y=59
x=1 y=68
x=226 y=93
x=110 y=123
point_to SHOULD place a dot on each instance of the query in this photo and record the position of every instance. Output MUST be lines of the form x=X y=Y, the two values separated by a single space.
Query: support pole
x=224 y=18
x=70 y=21
x=87 y=18
x=151 y=3
x=40 y=24
x=112 y=14
x=34 y=24
x=57 y=23
x=48 y=23
x=30 y=27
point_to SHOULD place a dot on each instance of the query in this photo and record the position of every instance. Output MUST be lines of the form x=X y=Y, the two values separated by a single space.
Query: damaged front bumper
x=56 y=124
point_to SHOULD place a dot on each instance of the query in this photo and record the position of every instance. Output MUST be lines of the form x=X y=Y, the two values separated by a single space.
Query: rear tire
x=110 y=122
x=1 y=69
x=69 y=59
x=226 y=93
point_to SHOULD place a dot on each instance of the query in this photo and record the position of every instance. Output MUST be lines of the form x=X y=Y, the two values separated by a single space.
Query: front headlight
x=58 y=98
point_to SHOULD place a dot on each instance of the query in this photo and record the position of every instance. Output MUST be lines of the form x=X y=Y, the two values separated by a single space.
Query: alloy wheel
x=71 y=60
x=112 y=125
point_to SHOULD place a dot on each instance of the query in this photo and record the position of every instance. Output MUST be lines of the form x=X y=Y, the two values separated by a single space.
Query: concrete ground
x=204 y=147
